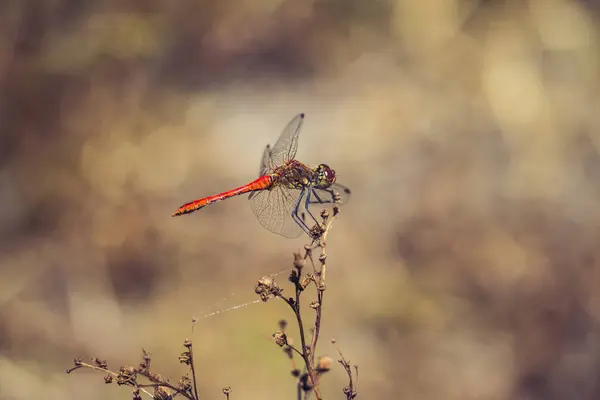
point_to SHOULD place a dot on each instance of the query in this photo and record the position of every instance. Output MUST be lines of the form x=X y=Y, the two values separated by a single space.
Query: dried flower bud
x=100 y=363
x=314 y=304
x=136 y=394
x=325 y=213
x=306 y=280
x=336 y=210
x=77 y=361
x=185 y=384
x=280 y=338
x=322 y=258
x=333 y=341
x=108 y=378
x=227 y=390
x=299 y=261
x=324 y=364
x=126 y=376
x=185 y=358
x=296 y=372
x=187 y=343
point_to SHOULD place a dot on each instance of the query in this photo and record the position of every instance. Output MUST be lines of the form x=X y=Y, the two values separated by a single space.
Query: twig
x=188 y=344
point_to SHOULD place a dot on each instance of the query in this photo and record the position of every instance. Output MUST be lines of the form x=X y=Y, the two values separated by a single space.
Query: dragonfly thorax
x=295 y=175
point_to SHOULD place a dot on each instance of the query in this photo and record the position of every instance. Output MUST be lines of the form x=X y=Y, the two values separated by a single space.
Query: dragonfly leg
x=321 y=201
x=308 y=202
x=300 y=221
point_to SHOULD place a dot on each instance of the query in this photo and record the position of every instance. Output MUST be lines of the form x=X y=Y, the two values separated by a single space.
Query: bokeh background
x=466 y=265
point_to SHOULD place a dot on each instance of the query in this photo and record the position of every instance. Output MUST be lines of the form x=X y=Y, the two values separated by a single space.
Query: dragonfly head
x=325 y=176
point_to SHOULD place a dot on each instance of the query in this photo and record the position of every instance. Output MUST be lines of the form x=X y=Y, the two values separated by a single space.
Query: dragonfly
x=286 y=191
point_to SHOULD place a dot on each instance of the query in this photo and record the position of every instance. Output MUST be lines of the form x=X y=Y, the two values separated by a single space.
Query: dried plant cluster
x=308 y=374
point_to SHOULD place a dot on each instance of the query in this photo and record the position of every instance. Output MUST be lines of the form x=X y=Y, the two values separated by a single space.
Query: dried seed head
x=77 y=361
x=322 y=258
x=324 y=364
x=336 y=211
x=187 y=343
x=333 y=341
x=314 y=304
x=267 y=288
x=296 y=372
x=227 y=390
x=280 y=338
x=162 y=393
x=325 y=214
x=108 y=378
x=266 y=282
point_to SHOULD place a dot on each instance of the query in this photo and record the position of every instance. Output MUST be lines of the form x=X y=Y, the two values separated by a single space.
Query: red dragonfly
x=286 y=189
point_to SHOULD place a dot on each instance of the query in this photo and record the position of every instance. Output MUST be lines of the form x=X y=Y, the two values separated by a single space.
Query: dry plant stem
x=308 y=352
x=350 y=390
x=305 y=353
x=194 y=372
x=320 y=284
x=140 y=386
x=114 y=374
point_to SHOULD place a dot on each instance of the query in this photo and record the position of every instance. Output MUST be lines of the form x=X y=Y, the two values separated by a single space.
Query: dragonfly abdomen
x=262 y=183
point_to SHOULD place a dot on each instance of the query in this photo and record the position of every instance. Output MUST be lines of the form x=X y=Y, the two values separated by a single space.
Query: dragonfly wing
x=273 y=209
x=265 y=161
x=286 y=146
x=336 y=193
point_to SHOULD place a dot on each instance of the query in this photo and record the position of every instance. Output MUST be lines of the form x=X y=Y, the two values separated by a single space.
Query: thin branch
x=82 y=364
x=194 y=371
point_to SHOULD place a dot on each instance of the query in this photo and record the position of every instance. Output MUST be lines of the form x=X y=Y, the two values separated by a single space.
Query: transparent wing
x=286 y=146
x=336 y=193
x=265 y=161
x=273 y=209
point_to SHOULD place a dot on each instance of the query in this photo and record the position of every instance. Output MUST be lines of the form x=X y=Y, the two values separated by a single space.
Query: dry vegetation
x=308 y=379
x=467 y=264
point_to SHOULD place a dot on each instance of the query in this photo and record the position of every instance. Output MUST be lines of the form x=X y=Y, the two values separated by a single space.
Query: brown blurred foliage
x=465 y=266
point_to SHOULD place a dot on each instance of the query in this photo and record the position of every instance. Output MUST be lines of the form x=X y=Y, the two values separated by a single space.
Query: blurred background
x=466 y=265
